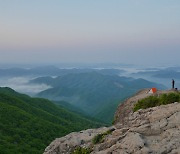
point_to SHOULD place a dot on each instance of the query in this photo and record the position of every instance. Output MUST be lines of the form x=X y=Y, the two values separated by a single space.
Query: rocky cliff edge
x=155 y=130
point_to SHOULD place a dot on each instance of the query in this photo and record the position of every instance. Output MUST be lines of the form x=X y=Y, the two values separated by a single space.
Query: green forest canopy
x=28 y=125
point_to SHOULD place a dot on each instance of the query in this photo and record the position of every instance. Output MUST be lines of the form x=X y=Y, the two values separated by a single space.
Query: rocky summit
x=150 y=131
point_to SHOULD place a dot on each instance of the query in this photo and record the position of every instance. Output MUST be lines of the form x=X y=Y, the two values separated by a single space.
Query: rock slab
x=150 y=131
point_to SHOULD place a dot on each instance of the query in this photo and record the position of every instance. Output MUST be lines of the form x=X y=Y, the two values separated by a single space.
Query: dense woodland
x=28 y=125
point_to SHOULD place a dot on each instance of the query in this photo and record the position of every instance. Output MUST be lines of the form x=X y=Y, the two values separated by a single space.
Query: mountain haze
x=96 y=94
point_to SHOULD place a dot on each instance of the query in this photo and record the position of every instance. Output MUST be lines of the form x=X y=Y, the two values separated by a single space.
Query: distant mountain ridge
x=52 y=71
x=96 y=94
x=168 y=73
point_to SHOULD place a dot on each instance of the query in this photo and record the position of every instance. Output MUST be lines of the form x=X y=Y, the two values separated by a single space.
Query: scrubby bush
x=99 y=138
x=153 y=101
x=169 y=98
x=80 y=150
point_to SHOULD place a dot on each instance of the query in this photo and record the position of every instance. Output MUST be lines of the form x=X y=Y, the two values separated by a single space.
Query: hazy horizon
x=105 y=65
x=120 y=31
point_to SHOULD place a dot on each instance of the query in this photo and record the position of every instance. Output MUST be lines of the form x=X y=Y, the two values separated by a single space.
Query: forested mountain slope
x=28 y=125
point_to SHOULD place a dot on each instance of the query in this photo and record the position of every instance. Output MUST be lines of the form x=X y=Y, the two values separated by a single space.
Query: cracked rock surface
x=151 y=131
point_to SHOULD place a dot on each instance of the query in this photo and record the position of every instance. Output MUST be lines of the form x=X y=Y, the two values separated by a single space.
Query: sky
x=90 y=31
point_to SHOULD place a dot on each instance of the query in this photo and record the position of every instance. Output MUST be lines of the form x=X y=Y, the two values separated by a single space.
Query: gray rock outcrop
x=155 y=130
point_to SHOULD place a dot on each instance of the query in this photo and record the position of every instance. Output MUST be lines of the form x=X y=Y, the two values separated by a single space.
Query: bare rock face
x=154 y=130
x=124 y=109
x=68 y=143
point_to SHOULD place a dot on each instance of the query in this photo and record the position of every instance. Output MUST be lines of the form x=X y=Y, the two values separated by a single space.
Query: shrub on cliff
x=153 y=101
x=80 y=150
x=99 y=138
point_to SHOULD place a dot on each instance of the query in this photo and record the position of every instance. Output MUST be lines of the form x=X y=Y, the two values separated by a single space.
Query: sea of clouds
x=22 y=85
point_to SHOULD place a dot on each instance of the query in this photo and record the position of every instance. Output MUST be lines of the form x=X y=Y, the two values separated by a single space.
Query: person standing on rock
x=173 y=83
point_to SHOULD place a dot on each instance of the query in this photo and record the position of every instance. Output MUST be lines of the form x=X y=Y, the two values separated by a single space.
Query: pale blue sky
x=131 y=31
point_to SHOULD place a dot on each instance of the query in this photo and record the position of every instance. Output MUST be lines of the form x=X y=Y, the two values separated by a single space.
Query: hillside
x=28 y=125
x=96 y=94
x=154 y=130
